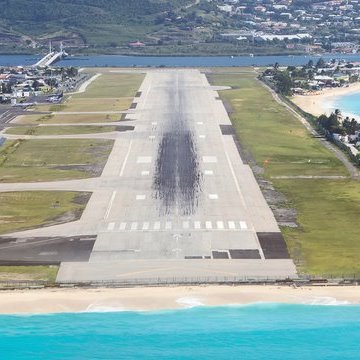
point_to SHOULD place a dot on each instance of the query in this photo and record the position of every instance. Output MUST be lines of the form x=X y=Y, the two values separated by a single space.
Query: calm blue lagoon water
x=171 y=61
x=259 y=331
x=348 y=104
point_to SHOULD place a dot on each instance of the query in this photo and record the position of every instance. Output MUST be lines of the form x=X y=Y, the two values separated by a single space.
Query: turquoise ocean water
x=348 y=104
x=259 y=331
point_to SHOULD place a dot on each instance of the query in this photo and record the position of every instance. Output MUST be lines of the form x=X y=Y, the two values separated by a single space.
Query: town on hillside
x=199 y=27
x=307 y=25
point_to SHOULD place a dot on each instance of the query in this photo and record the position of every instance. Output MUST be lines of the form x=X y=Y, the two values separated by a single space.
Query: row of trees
x=334 y=125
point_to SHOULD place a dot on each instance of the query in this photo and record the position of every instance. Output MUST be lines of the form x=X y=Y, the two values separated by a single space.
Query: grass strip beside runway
x=29 y=273
x=67 y=119
x=50 y=160
x=327 y=239
x=58 y=130
x=32 y=209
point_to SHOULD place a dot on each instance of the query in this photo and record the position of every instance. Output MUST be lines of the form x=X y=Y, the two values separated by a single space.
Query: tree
x=284 y=82
x=321 y=63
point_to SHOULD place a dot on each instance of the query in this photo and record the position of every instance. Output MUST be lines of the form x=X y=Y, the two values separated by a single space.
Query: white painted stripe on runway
x=107 y=213
x=168 y=225
x=134 y=226
x=146 y=226
x=111 y=226
x=145 y=173
x=231 y=225
x=208 y=172
x=208 y=224
x=220 y=225
x=140 y=197
x=121 y=173
x=202 y=136
x=243 y=225
x=210 y=159
x=197 y=225
x=122 y=226
x=235 y=180
x=200 y=123
x=186 y=224
x=152 y=137
x=144 y=159
x=213 y=196
x=157 y=225
x=154 y=123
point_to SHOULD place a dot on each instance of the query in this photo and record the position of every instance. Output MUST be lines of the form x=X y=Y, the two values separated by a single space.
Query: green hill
x=166 y=27
x=93 y=23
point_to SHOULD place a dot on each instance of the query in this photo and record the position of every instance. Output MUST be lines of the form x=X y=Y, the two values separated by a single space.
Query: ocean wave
x=189 y=302
x=326 y=301
x=97 y=308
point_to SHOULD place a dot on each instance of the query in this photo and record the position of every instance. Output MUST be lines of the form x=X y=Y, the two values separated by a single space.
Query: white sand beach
x=321 y=103
x=162 y=298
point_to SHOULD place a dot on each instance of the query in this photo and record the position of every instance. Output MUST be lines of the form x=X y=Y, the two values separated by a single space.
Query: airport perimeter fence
x=186 y=281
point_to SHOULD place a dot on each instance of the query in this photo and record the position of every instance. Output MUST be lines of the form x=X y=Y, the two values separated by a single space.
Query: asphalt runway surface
x=174 y=200
x=45 y=250
x=184 y=195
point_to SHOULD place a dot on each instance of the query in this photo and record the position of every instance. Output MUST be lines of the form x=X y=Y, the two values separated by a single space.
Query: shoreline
x=322 y=103
x=52 y=301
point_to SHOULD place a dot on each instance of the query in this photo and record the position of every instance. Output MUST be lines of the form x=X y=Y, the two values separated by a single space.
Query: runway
x=188 y=195
x=175 y=199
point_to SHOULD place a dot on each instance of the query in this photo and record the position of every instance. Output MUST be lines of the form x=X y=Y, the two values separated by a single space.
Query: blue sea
x=173 y=61
x=348 y=104
x=251 y=332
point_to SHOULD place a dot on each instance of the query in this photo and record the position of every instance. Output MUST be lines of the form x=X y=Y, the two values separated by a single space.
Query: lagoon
x=172 y=61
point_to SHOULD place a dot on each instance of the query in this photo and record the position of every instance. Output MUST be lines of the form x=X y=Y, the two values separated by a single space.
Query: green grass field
x=29 y=273
x=109 y=92
x=58 y=130
x=113 y=85
x=67 y=119
x=48 y=160
x=327 y=240
x=32 y=209
x=273 y=135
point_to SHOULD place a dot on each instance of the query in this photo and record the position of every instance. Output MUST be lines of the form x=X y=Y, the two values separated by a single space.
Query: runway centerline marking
x=144 y=159
x=213 y=196
x=107 y=213
x=140 y=197
x=125 y=160
x=145 y=173
x=209 y=159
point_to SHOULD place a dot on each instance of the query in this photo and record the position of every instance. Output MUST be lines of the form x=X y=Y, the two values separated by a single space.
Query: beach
x=42 y=301
x=322 y=103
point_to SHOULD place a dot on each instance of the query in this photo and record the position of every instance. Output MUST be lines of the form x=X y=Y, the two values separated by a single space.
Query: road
x=174 y=199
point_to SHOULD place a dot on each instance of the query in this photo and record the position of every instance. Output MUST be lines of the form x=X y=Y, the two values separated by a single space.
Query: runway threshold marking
x=107 y=213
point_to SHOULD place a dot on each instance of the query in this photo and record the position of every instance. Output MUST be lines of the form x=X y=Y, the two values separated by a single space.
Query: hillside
x=93 y=23
x=165 y=27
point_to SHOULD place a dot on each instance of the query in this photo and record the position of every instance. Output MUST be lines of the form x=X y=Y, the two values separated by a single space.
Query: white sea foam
x=98 y=308
x=189 y=302
x=326 y=301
